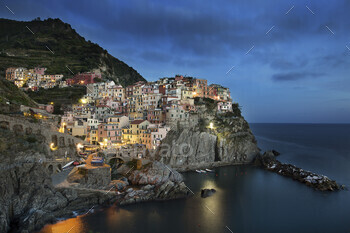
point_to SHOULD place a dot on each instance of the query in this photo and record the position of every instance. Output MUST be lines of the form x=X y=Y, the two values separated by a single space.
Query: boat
x=97 y=161
x=67 y=165
x=203 y=171
x=198 y=171
x=208 y=170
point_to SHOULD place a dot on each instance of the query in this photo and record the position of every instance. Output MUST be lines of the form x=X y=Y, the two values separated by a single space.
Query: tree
x=97 y=80
x=236 y=109
x=57 y=109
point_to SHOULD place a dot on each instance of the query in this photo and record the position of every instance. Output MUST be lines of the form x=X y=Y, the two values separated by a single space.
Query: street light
x=211 y=125
x=52 y=146
x=79 y=146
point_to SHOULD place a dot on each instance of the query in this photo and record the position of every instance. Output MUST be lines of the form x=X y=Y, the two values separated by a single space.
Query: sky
x=284 y=61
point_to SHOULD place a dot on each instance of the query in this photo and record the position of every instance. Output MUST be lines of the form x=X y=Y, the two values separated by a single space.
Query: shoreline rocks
x=269 y=162
x=29 y=200
x=154 y=182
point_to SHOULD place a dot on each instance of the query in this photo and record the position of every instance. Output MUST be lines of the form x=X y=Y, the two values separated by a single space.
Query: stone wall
x=63 y=144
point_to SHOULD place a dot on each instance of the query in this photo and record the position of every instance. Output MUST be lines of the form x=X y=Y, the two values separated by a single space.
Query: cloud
x=294 y=76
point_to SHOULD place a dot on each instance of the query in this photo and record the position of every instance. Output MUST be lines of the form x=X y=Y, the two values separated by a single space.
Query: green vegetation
x=236 y=110
x=59 y=96
x=81 y=137
x=19 y=47
x=209 y=103
x=16 y=97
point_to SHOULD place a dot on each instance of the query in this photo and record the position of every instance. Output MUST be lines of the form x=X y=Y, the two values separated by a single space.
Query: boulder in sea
x=207 y=192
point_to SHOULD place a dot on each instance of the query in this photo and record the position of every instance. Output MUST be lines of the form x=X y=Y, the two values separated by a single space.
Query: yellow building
x=133 y=134
x=137 y=90
x=136 y=115
x=200 y=88
x=186 y=93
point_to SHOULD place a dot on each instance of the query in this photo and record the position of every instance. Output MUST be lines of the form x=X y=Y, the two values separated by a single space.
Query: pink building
x=84 y=78
x=178 y=77
x=158 y=135
x=109 y=134
x=39 y=70
x=116 y=106
x=147 y=89
x=48 y=108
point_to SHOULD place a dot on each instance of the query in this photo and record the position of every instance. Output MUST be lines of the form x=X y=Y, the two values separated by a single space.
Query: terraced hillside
x=28 y=44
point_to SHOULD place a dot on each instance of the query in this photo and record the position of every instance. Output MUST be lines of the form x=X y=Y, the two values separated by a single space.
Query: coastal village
x=82 y=132
x=115 y=117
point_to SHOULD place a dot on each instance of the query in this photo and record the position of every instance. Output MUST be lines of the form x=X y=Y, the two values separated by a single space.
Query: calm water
x=248 y=199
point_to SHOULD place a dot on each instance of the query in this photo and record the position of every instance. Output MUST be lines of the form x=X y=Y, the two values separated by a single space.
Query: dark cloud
x=293 y=76
x=154 y=56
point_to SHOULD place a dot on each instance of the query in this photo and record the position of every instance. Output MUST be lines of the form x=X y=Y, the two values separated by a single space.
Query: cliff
x=217 y=139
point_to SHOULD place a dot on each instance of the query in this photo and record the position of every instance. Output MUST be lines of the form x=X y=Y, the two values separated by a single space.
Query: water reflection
x=72 y=225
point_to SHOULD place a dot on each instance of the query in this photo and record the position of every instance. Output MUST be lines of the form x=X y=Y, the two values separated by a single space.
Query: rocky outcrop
x=207 y=192
x=29 y=200
x=91 y=177
x=154 y=181
x=319 y=182
x=230 y=141
x=154 y=173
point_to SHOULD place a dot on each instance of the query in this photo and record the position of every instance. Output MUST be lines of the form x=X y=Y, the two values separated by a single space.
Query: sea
x=248 y=199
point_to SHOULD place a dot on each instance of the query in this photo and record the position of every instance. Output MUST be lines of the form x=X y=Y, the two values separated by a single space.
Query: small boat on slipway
x=204 y=171
x=201 y=171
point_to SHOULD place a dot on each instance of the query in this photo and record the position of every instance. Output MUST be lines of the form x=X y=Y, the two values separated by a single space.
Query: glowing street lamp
x=52 y=146
x=79 y=146
x=211 y=125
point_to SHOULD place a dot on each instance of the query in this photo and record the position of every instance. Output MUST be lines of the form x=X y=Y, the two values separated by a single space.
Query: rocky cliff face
x=217 y=139
x=28 y=199
x=154 y=181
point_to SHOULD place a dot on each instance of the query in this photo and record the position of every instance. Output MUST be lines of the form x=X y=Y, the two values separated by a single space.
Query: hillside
x=20 y=47
x=10 y=93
